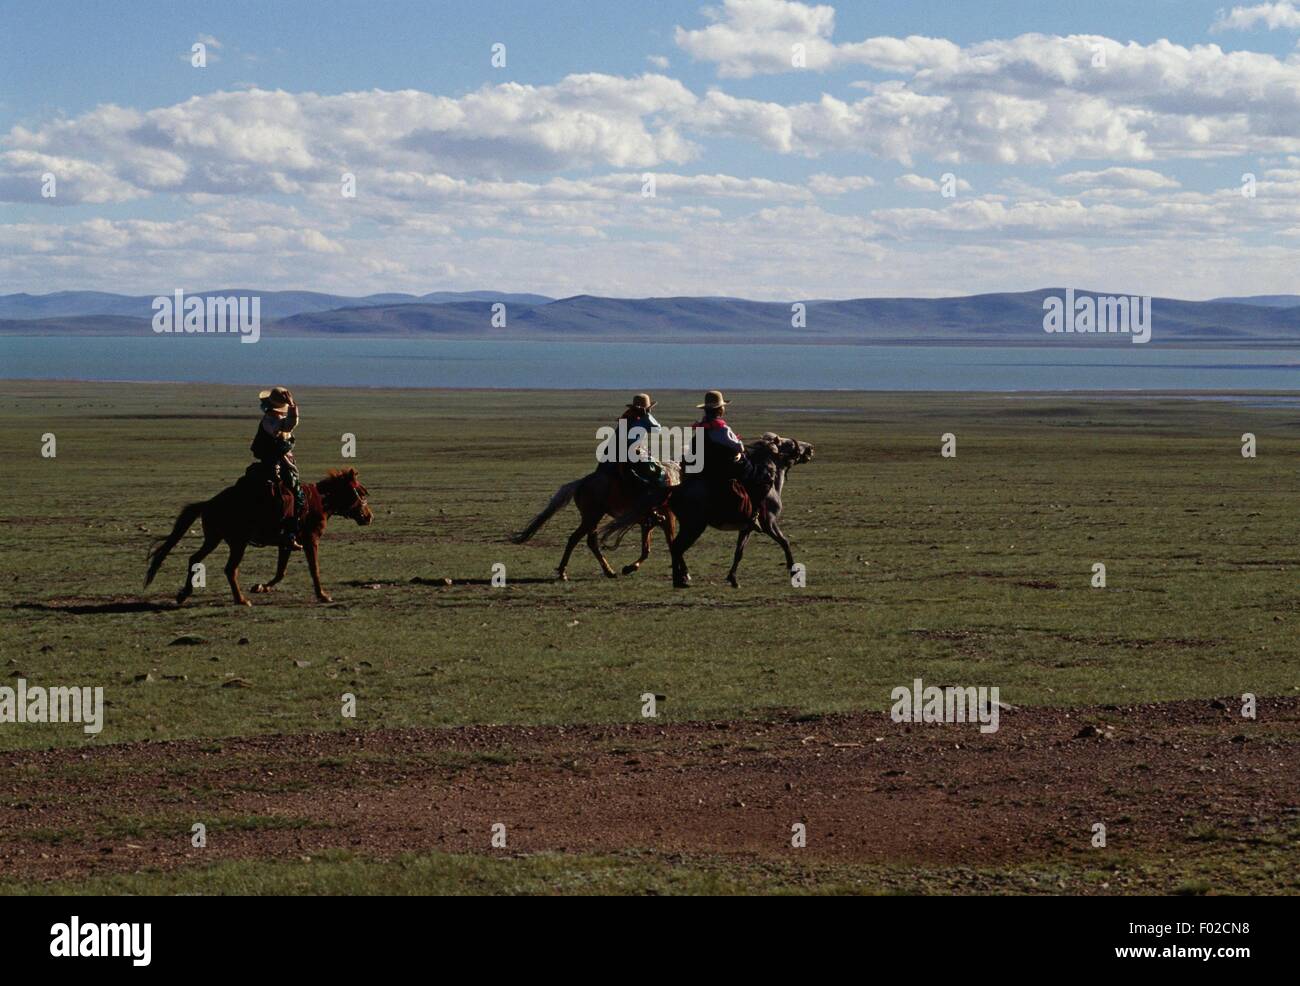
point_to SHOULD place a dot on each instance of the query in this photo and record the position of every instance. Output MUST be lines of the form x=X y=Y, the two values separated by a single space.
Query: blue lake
x=637 y=366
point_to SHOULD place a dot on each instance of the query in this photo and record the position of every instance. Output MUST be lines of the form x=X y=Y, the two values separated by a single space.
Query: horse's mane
x=337 y=478
x=767 y=447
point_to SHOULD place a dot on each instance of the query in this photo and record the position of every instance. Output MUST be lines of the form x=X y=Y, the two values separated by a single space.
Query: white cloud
x=1271 y=15
x=1134 y=178
x=919 y=183
x=835 y=185
x=274 y=141
x=1032 y=98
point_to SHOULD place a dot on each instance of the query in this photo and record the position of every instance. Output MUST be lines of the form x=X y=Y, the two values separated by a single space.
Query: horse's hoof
x=181 y=598
x=561 y=577
x=681 y=583
x=629 y=569
x=731 y=581
x=611 y=574
x=324 y=597
x=244 y=602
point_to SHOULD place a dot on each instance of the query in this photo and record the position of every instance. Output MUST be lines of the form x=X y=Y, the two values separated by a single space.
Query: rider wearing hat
x=722 y=447
x=725 y=457
x=637 y=424
x=273 y=447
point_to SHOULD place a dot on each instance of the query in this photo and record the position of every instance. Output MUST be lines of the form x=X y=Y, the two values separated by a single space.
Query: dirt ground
x=1160 y=777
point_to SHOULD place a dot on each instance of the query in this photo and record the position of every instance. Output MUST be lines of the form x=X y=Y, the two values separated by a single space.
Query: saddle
x=261 y=484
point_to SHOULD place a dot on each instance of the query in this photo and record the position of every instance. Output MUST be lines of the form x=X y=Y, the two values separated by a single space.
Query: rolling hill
x=988 y=319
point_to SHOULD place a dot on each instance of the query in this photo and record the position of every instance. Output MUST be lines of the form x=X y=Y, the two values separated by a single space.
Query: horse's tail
x=189 y=514
x=562 y=496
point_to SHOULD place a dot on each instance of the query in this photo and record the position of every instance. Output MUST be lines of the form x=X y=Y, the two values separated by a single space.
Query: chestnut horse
x=598 y=494
x=240 y=517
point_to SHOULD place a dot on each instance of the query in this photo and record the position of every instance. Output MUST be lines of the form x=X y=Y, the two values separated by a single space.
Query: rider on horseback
x=637 y=424
x=273 y=447
x=725 y=455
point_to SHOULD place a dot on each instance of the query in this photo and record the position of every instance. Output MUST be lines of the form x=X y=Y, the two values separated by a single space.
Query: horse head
x=785 y=452
x=344 y=496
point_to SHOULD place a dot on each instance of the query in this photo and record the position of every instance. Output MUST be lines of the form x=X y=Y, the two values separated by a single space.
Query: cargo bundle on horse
x=639 y=485
x=726 y=503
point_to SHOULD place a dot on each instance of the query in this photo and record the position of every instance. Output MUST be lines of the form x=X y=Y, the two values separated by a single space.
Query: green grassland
x=974 y=569
x=1234 y=870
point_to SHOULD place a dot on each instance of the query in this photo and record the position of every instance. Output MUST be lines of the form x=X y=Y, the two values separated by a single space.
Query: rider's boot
x=289 y=535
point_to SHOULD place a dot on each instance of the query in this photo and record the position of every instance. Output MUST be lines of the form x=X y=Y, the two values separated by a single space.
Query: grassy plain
x=973 y=570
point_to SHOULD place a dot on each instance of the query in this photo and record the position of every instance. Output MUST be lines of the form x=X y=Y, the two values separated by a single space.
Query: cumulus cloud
x=1138 y=178
x=835 y=185
x=275 y=141
x=1270 y=15
x=919 y=183
x=1036 y=98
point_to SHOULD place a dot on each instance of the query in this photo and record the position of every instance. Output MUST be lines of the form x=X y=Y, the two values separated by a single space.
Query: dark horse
x=240 y=516
x=698 y=504
x=597 y=494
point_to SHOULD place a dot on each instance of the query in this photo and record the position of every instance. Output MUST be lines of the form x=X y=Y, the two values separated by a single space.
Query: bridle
x=360 y=497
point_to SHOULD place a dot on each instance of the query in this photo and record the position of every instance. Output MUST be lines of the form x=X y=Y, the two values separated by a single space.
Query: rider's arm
x=727 y=437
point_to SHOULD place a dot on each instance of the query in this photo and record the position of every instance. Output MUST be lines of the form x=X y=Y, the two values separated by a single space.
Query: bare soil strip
x=1163 y=778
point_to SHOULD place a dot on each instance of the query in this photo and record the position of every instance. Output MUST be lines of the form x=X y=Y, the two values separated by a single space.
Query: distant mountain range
x=275 y=304
x=1266 y=300
x=988 y=319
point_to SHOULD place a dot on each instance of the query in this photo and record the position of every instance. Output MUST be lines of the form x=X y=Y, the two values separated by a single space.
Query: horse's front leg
x=741 y=540
x=311 y=548
x=774 y=532
x=281 y=564
x=232 y=572
x=687 y=534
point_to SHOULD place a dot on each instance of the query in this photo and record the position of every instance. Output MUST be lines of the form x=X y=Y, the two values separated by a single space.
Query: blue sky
x=772 y=180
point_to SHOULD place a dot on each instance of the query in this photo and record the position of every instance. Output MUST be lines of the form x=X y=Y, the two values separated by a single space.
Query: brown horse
x=596 y=495
x=238 y=517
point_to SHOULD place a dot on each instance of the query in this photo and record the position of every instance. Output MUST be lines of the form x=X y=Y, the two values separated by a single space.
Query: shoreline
x=1099 y=394
x=1045 y=341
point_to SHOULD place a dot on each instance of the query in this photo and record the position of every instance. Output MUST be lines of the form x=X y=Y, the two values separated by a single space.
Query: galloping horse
x=699 y=504
x=234 y=516
x=600 y=493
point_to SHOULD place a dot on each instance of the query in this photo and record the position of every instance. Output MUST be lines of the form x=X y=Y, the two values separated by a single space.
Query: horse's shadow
x=442 y=583
x=92 y=609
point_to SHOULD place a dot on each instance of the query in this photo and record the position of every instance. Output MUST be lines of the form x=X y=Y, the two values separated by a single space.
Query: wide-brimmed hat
x=641 y=402
x=713 y=401
x=277 y=398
